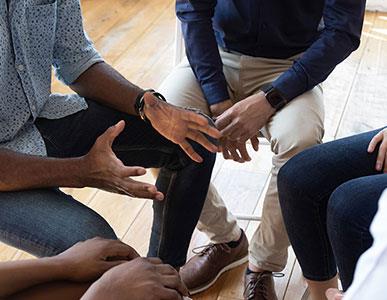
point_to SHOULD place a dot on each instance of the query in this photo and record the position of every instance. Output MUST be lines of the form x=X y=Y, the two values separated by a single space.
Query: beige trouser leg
x=294 y=128
x=182 y=89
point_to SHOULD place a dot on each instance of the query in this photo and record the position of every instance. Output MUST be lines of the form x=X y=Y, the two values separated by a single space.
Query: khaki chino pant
x=297 y=126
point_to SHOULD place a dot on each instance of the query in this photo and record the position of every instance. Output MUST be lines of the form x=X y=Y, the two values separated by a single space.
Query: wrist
x=59 y=268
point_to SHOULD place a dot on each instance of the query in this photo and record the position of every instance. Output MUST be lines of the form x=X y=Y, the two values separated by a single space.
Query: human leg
x=351 y=209
x=46 y=222
x=183 y=182
x=305 y=184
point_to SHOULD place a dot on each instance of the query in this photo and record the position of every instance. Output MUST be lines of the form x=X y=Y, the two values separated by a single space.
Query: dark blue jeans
x=329 y=195
x=45 y=222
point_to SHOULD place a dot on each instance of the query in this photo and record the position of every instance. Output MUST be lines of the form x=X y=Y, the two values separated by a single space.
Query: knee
x=295 y=139
x=296 y=179
x=342 y=210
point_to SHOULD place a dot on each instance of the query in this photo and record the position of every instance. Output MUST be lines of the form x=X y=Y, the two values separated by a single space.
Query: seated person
x=329 y=195
x=369 y=280
x=94 y=269
x=48 y=141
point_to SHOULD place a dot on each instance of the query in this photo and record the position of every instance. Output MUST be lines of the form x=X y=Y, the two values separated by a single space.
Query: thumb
x=112 y=132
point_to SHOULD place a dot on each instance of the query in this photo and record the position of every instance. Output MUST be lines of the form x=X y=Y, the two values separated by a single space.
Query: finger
x=142 y=190
x=120 y=249
x=255 y=142
x=169 y=294
x=174 y=282
x=223 y=120
x=109 y=264
x=381 y=156
x=191 y=152
x=243 y=152
x=196 y=118
x=208 y=129
x=375 y=141
x=166 y=270
x=112 y=132
x=202 y=140
x=226 y=154
x=234 y=154
x=132 y=171
x=154 y=260
x=231 y=132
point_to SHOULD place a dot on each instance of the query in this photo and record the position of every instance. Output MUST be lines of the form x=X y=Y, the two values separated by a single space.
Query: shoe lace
x=258 y=285
x=210 y=249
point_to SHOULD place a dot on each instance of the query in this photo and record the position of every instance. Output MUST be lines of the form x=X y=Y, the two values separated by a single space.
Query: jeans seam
x=165 y=210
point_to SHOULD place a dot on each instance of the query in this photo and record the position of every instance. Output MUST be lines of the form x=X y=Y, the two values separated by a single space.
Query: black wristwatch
x=139 y=104
x=274 y=97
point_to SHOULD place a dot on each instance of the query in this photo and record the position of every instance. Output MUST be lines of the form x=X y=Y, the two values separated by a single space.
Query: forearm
x=16 y=276
x=104 y=84
x=19 y=171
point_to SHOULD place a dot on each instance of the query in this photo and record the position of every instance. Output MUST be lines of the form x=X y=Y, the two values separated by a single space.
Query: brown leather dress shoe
x=259 y=286
x=203 y=269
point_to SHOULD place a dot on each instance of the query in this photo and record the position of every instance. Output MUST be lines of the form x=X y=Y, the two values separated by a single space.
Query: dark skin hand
x=140 y=279
x=234 y=150
x=100 y=168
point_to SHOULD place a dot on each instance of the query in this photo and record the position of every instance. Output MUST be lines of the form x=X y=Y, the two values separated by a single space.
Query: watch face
x=275 y=99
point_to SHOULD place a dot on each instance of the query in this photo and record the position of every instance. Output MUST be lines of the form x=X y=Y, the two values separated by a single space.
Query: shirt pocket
x=41 y=24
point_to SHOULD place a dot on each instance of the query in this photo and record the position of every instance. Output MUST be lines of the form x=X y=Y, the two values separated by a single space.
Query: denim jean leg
x=351 y=209
x=305 y=185
x=46 y=222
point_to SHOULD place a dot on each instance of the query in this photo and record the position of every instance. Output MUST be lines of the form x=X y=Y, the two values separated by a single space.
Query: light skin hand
x=105 y=171
x=141 y=279
x=381 y=160
x=86 y=261
x=179 y=125
x=334 y=294
x=242 y=121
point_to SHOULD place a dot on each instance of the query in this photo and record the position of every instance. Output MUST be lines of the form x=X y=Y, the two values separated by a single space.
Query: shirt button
x=20 y=67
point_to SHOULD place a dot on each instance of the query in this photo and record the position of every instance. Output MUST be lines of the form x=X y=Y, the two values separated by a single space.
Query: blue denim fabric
x=46 y=222
x=329 y=195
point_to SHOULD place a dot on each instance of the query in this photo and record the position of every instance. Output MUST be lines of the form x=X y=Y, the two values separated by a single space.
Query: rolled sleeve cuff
x=68 y=73
x=216 y=92
x=292 y=83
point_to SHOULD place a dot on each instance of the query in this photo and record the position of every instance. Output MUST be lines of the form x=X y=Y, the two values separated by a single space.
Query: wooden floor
x=137 y=37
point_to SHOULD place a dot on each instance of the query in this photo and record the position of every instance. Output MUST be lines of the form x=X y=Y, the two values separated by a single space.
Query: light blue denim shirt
x=34 y=36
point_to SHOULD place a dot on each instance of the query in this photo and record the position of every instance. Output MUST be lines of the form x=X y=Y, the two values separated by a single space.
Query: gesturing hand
x=178 y=125
x=87 y=261
x=105 y=171
x=140 y=279
x=381 y=161
x=245 y=118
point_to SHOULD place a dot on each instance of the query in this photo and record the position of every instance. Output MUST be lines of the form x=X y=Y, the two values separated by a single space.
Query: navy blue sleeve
x=201 y=47
x=343 y=21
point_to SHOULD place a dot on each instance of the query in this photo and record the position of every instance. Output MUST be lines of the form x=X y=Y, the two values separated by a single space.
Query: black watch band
x=274 y=97
x=139 y=103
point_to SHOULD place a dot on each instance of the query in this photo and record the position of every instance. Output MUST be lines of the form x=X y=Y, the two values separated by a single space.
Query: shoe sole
x=233 y=265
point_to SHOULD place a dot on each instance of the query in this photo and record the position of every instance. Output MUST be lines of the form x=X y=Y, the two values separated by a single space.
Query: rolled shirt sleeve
x=343 y=20
x=74 y=53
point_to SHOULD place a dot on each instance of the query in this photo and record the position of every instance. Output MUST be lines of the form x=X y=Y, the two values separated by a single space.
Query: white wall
x=380 y=5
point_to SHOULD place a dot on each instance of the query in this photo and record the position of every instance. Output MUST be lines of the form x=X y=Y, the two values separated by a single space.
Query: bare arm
x=20 y=171
x=19 y=275
x=104 y=84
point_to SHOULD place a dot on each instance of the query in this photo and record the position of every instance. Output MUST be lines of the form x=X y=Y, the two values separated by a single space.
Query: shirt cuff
x=292 y=83
x=70 y=72
x=215 y=92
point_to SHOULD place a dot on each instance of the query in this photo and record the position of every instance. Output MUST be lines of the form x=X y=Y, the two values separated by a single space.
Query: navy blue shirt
x=326 y=32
